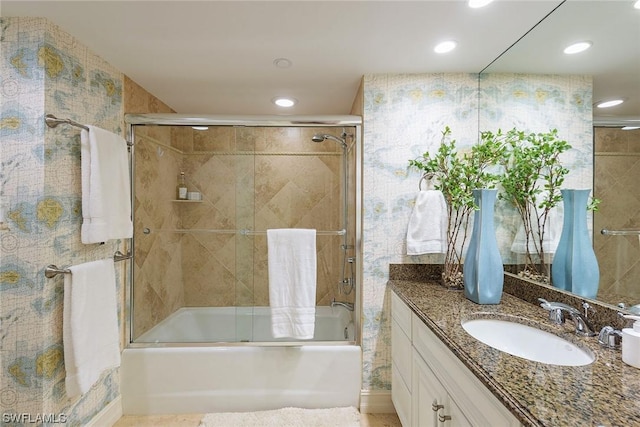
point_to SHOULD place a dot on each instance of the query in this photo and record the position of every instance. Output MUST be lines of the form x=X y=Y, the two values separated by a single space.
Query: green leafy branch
x=456 y=175
x=533 y=176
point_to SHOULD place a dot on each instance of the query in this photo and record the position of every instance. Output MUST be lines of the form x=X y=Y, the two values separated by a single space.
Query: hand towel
x=90 y=324
x=106 y=190
x=292 y=282
x=427 y=230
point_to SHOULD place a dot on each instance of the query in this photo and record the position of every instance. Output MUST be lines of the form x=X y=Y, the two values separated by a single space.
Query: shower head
x=320 y=138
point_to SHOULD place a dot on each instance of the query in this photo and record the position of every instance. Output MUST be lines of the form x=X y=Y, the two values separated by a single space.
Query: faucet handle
x=610 y=337
x=555 y=314
x=556 y=310
x=544 y=304
x=547 y=305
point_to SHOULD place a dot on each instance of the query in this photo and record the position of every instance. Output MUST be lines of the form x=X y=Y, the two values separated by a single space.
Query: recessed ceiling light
x=445 y=47
x=282 y=63
x=631 y=127
x=637 y=4
x=577 y=47
x=474 y=4
x=284 y=102
x=607 y=104
x=199 y=127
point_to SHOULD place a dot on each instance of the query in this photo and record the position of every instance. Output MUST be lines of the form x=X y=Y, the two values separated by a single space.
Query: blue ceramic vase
x=483 y=269
x=575 y=267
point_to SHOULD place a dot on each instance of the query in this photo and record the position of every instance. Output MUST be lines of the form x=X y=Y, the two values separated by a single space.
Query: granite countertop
x=604 y=393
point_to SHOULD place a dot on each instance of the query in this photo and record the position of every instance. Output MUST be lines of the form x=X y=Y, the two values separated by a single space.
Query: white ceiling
x=216 y=57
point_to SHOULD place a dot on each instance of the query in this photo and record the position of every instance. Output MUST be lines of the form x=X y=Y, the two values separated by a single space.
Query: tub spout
x=347 y=305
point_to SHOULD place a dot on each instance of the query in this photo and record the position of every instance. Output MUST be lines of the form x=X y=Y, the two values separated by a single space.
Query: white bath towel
x=427 y=230
x=106 y=191
x=292 y=282
x=90 y=324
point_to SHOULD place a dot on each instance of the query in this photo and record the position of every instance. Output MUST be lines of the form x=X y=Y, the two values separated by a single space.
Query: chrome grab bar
x=606 y=232
x=243 y=232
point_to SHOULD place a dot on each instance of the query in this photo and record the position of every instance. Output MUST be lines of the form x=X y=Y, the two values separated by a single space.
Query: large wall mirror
x=612 y=67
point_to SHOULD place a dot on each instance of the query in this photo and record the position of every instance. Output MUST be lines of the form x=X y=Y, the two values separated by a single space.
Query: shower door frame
x=328 y=121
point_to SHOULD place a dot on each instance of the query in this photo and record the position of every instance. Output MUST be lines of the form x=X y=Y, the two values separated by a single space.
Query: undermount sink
x=527 y=342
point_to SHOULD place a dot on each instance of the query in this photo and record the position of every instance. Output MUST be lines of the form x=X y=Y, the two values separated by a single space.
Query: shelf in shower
x=187 y=201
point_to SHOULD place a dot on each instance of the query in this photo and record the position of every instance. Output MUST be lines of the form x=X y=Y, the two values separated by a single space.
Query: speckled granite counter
x=604 y=393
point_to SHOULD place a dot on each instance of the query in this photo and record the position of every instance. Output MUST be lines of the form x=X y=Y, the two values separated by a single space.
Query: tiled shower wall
x=158 y=287
x=617 y=173
x=250 y=178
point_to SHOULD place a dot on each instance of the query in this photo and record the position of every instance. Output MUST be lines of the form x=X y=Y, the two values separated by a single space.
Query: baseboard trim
x=109 y=415
x=376 y=402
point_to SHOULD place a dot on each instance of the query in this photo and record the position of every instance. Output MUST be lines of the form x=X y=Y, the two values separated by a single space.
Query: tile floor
x=192 y=420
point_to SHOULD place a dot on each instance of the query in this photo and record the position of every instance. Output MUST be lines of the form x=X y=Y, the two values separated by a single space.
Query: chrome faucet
x=610 y=337
x=557 y=311
x=347 y=305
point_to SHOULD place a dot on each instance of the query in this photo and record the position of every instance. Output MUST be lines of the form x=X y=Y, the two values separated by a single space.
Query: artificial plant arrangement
x=456 y=175
x=533 y=175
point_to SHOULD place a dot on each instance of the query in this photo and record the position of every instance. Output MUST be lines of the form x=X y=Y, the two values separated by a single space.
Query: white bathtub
x=241 y=324
x=206 y=376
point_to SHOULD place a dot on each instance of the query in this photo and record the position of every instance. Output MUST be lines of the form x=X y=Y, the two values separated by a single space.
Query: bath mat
x=286 y=417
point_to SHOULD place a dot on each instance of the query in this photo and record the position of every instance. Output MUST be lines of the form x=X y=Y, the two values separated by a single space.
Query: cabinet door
x=401 y=397
x=401 y=351
x=432 y=406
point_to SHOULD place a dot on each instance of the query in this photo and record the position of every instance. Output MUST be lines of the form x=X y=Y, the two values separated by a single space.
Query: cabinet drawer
x=401 y=397
x=401 y=312
x=401 y=352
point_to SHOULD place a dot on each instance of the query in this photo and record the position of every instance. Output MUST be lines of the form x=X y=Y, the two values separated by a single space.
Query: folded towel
x=90 y=324
x=427 y=230
x=292 y=282
x=106 y=190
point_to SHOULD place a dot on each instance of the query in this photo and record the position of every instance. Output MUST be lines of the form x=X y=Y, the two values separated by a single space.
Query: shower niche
x=196 y=255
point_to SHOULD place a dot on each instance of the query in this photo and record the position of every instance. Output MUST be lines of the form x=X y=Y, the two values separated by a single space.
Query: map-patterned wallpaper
x=46 y=71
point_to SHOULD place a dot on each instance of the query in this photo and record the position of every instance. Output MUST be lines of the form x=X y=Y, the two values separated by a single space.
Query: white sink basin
x=527 y=342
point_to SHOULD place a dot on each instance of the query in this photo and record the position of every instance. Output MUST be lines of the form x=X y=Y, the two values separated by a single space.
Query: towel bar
x=52 y=121
x=52 y=271
x=620 y=232
x=244 y=232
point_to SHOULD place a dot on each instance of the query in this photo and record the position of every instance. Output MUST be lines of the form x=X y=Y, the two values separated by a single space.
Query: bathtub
x=184 y=365
x=233 y=324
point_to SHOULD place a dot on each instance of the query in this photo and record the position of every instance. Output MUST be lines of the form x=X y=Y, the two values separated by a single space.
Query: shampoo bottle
x=181 y=189
x=631 y=342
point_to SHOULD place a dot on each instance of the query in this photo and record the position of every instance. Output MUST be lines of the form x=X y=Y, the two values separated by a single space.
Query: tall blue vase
x=483 y=269
x=575 y=267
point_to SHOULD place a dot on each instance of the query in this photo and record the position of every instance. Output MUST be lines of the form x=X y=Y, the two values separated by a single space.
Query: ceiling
x=217 y=57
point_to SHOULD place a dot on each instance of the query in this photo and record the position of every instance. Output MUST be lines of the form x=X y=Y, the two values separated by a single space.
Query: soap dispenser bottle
x=631 y=342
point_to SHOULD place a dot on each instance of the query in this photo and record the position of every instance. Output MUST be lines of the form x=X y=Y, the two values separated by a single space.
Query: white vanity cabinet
x=441 y=391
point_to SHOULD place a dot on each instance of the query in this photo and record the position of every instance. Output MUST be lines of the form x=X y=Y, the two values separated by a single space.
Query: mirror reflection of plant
x=533 y=175
x=456 y=176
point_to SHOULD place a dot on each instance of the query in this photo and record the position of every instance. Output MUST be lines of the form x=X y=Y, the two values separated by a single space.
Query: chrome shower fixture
x=323 y=137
